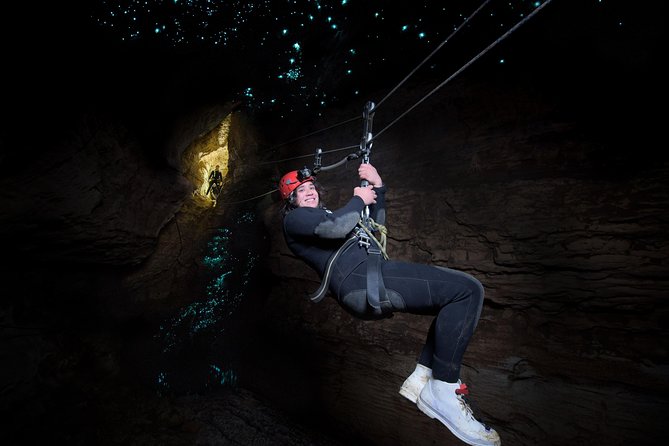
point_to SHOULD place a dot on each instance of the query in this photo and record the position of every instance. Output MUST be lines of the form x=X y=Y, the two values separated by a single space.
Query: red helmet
x=290 y=181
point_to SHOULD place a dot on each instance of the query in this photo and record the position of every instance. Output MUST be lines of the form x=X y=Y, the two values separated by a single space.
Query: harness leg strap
x=376 y=291
x=322 y=290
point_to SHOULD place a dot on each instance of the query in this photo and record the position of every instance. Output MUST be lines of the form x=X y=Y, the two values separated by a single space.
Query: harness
x=376 y=290
x=363 y=235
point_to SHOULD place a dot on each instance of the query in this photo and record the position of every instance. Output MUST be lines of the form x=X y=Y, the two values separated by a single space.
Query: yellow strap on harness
x=381 y=229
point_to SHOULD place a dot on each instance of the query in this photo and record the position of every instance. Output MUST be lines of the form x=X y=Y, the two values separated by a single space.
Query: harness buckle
x=363 y=238
x=365 y=241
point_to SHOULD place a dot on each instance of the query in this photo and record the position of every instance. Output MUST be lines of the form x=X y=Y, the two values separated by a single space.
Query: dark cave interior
x=137 y=311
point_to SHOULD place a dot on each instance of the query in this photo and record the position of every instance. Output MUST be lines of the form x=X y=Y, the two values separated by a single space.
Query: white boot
x=444 y=401
x=415 y=382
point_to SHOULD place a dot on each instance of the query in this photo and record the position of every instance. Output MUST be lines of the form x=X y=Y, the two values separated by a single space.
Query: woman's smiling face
x=306 y=195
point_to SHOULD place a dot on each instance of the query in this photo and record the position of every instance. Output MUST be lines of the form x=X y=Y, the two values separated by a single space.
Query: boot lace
x=461 y=393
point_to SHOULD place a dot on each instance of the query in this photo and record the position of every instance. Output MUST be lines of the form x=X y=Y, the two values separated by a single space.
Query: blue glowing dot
x=293 y=74
x=405 y=27
x=284 y=31
x=421 y=35
x=502 y=61
x=296 y=46
x=349 y=71
x=352 y=51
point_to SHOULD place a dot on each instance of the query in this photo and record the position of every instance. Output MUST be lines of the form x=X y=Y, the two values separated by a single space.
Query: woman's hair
x=289 y=203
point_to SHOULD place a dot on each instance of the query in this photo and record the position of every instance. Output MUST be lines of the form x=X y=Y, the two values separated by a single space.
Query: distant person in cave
x=371 y=287
x=215 y=178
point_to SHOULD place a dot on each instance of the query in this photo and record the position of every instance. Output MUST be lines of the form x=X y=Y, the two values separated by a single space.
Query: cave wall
x=105 y=249
x=565 y=229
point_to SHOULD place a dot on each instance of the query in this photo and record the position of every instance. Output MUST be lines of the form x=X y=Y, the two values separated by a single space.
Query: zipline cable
x=465 y=66
x=434 y=90
x=249 y=199
x=325 y=168
x=314 y=132
x=462 y=25
x=311 y=154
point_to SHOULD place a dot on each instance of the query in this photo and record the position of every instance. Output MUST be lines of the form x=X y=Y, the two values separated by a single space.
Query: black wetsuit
x=454 y=297
x=215 y=177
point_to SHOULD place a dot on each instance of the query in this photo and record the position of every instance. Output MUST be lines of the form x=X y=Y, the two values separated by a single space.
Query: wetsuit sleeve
x=313 y=222
x=378 y=210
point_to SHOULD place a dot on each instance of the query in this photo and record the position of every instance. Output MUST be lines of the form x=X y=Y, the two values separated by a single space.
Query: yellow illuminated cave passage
x=217 y=154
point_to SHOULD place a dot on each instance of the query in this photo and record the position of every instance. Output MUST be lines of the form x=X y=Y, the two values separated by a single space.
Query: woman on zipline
x=369 y=286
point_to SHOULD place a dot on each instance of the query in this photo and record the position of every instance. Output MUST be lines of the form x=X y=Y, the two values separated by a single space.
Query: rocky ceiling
x=136 y=311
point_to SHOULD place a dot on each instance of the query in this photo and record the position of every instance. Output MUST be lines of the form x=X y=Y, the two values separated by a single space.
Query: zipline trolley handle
x=366 y=147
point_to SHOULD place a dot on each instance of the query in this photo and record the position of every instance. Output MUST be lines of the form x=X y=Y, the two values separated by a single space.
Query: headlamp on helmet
x=304 y=174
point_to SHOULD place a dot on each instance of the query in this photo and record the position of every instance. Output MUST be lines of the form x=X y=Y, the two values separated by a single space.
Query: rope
x=380 y=228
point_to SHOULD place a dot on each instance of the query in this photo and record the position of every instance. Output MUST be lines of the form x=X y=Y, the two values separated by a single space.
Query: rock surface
x=571 y=253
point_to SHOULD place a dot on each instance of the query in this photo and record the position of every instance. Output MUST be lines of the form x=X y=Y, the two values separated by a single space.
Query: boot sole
x=430 y=412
